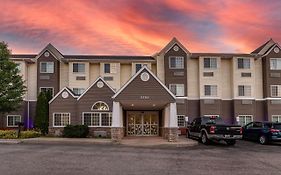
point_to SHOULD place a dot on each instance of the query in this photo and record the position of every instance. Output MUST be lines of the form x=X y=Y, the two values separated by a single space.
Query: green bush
x=12 y=134
x=76 y=131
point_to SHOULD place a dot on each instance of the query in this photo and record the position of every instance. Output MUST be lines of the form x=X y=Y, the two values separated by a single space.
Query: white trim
x=245 y=115
x=210 y=115
x=276 y=44
x=176 y=58
x=278 y=118
x=100 y=102
x=61 y=113
x=48 y=88
x=46 y=67
x=99 y=78
x=12 y=126
x=65 y=88
x=49 y=48
x=182 y=97
x=100 y=119
x=172 y=43
x=136 y=74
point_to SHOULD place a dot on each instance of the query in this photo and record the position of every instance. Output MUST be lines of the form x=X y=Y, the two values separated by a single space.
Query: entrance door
x=142 y=123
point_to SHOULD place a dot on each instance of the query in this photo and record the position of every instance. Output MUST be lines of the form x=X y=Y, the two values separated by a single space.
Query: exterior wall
x=64 y=75
x=227 y=79
x=134 y=66
x=48 y=79
x=32 y=82
x=258 y=79
x=125 y=73
x=160 y=67
x=94 y=72
x=115 y=83
x=73 y=82
x=193 y=78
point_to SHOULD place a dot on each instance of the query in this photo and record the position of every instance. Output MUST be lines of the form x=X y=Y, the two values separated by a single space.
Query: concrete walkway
x=127 y=141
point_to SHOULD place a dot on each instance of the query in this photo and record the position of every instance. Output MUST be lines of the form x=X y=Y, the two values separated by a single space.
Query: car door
x=247 y=132
x=256 y=130
x=191 y=128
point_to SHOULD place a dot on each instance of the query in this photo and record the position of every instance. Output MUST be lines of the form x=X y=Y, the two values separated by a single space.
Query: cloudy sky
x=138 y=27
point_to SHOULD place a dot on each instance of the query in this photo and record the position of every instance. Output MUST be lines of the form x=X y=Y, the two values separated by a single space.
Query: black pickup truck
x=211 y=128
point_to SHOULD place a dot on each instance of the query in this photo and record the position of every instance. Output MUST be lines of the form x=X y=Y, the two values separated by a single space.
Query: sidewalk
x=127 y=141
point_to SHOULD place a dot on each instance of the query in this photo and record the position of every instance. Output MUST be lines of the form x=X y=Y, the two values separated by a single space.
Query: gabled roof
x=264 y=48
x=270 y=49
x=52 y=50
x=98 y=79
x=171 y=44
x=63 y=89
x=221 y=55
x=108 y=57
x=136 y=74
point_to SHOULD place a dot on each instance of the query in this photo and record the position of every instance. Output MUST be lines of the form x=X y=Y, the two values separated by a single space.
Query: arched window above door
x=100 y=106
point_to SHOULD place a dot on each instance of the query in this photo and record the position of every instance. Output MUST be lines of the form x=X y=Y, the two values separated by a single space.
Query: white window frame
x=178 y=60
x=179 y=93
x=81 y=89
x=47 y=62
x=213 y=61
x=181 y=124
x=100 y=102
x=78 y=68
x=100 y=119
x=275 y=66
x=278 y=91
x=278 y=118
x=14 y=121
x=213 y=90
x=142 y=64
x=244 y=121
x=40 y=89
x=244 y=65
x=247 y=91
x=61 y=113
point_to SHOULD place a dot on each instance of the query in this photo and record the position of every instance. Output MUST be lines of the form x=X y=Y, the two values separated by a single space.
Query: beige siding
x=143 y=63
x=154 y=68
x=73 y=83
x=258 y=79
x=115 y=83
x=125 y=73
x=32 y=82
x=23 y=73
x=192 y=78
x=94 y=72
x=64 y=75
x=226 y=65
x=160 y=67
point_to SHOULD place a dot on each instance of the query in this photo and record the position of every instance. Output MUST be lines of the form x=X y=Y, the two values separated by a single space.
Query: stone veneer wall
x=171 y=134
x=117 y=133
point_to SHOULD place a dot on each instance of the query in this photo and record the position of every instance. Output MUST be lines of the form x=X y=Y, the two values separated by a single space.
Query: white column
x=173 y=116
x=167 y=116
x=117 y=119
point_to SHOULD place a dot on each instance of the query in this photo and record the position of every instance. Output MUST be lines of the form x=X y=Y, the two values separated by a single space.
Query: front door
x=142 y=123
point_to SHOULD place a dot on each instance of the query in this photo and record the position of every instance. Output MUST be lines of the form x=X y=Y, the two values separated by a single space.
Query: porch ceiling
x=143 y=105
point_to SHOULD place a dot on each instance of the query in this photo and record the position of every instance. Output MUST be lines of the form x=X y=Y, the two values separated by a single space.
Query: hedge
x=12 y=134
x=76 y=131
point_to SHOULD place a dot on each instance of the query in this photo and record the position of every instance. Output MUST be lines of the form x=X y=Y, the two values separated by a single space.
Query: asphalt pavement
x=98 y=159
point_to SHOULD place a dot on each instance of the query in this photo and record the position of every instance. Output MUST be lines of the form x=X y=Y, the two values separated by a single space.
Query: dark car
x=263 y=132
x=213 y=128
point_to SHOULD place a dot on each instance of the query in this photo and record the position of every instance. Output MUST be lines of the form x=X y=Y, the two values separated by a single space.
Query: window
x=244 y=119
x=276 y=118
x=47 y=89
x=110 y=68
x=47 y=67
x=177 y=89
x=210 y=90
x=181 y=121
x=244 y=91
x=78 y=91
x=61 y=119
x=275 y=64
x=176 y=62
x=97 y=119
x=139 y=66
x=244 y=63
x=12 y=120
x=210 y=63
x=100 y=106
x=275 y=90
x=107 y=68
x=78 y=67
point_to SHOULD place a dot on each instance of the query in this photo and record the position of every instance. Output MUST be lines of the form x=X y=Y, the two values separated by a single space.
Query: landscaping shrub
x=12 y=134
x=76 y=131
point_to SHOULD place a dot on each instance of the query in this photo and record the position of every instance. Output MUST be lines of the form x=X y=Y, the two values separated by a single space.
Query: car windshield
x=212 y=120
x=277 y=126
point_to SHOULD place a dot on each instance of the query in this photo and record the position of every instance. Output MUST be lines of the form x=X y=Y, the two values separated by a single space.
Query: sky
x=138 y=27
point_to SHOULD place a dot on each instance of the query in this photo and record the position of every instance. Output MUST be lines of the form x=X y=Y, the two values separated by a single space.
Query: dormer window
x=47 y=67
x=176 y=62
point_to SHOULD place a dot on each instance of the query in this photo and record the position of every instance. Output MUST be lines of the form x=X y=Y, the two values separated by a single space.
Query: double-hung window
x=79 y=67
x=78 y=91
x=210 y=90
x=110 y=68
x=97 y=119
x=139 y=66
x=244 y=63
x=275 y=63
x=47 y=67
x=176 y=62
x=210 y=63
x=276 y=118
x=12 y=120
x=245 y=119
x=275 y=90
x=47 y=89
x=61 y=119
x=244 y=90
x=177 y=89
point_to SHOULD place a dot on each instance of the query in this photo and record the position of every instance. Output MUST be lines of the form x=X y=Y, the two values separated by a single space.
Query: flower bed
x=12 y=134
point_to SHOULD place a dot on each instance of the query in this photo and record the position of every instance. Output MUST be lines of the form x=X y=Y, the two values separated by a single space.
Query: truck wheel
x=230 y=142
x=263 y=140
x=204 y=139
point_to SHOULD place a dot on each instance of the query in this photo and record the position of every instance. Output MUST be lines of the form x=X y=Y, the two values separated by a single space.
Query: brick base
x=104 y=132
x=171 y=134
x=117 y=133
x=55 y=131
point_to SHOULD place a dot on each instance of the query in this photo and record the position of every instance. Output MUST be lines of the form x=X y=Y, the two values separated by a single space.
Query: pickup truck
x=213 y=128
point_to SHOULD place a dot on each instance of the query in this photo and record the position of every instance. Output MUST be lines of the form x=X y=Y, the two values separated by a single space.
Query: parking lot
x=243 y=158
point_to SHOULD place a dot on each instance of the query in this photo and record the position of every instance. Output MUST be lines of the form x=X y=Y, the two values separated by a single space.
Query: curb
x=11 y=141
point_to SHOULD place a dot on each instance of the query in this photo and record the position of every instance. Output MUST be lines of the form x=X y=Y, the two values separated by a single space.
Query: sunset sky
x=138 y=27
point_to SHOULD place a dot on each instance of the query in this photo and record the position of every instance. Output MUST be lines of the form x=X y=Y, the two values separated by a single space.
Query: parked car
x=213 y=128
x=263 y=132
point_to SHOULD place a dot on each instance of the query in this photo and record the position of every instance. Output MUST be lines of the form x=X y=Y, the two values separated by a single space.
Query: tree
x=12 y=87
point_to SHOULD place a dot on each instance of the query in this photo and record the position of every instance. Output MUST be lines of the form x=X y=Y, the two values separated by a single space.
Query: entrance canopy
x=144 y=91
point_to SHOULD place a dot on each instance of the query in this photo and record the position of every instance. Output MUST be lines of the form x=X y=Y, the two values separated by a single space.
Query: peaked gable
x=264 y=48
x=65 y=89
x=52 y=51
x=171 y=44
